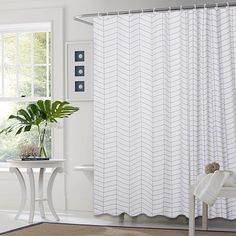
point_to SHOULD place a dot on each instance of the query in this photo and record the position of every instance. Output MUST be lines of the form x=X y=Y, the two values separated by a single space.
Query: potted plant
x=41 y=115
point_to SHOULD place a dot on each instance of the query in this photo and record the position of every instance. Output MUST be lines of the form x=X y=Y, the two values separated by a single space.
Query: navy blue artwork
x=79 y=70
x=79 y=55
x=79 y=86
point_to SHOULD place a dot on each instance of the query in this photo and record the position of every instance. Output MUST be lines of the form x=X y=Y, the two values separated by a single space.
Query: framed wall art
x=79 y=70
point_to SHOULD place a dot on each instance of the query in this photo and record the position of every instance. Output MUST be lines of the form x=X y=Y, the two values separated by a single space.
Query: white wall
x=78 y=129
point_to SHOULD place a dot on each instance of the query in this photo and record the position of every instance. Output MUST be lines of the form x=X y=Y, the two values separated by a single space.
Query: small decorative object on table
x=30 y=152
x=41 y=115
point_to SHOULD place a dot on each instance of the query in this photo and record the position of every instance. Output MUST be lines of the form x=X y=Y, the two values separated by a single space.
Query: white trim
x=2 y=65
x=32 y=64
x=78 y=100
x=17 y=65
x=22 y=64
x=26 y=27
x=47 y=64
x=88 y=167
x=23 y=170
x=22 y=99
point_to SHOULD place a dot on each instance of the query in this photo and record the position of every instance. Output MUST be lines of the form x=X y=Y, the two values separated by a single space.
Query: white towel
x=230 y=181
x=209 y=186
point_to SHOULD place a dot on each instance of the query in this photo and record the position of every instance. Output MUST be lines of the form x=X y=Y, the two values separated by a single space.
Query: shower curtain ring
x=129 y=12
x=153 y=10
x=195 y=7
x=227 y=4
x=204 y=6
x=216 y=7
x=181 y=7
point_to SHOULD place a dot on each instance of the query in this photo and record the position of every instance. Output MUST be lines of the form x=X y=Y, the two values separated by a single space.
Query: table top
x=36 y=164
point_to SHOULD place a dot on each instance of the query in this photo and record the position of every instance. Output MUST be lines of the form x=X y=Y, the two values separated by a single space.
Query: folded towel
x=209 y=186
x=231 y=180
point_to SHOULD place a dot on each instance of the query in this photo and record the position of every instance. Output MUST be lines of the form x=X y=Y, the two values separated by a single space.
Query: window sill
x=22 y=99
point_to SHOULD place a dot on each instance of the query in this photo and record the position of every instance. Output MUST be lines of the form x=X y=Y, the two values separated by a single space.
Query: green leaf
x=47 y=106
x=33 y=108
x=18 y=118
x=40 y=104
x=19 y=130
x=55 y=105
x=27 y=128
x=30 y=113
x=35 y=114
x=25 y=114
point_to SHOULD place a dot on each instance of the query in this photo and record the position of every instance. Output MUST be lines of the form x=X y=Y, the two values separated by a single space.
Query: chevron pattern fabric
x=164 y=107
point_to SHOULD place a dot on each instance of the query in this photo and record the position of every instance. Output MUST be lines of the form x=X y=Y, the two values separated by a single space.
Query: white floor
x=7 y=221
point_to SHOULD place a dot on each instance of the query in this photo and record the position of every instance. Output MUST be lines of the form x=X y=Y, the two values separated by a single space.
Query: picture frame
x=79 y=70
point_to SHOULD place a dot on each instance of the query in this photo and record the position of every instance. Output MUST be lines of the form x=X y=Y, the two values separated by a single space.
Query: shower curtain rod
x=114 y=13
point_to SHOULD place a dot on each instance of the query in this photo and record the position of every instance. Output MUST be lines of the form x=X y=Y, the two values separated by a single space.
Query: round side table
x=15 y=167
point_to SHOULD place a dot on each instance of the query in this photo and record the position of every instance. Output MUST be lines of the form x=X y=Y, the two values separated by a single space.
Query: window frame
x=18 y=65
x=55 y=17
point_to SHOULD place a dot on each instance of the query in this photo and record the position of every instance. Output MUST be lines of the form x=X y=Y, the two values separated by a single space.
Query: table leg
x=49 y=191
x=204 y=216
x=191 y=213
x=41 y=207
x=23 y=190
x=32 y=194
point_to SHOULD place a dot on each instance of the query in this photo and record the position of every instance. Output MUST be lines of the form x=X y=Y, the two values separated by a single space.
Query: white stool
x=227 y=192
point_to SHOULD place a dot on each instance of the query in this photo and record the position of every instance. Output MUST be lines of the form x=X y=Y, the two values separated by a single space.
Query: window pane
x=1 y=80
x=25 y=81
x=10 y=89
x=50 y=47
x=9 y=48
x=9 y=144
x=40 y=48
x=1 y=42
x=1 y=77
x=50 y=81
x=40 y=82
x=25 y=48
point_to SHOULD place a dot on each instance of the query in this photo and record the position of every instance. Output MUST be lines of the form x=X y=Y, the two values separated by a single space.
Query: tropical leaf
x=20 y=119
x=19 y=130
x=47 y=106
x=25 y=114
x=27 y=128
x=56 y=110
x=35 y=114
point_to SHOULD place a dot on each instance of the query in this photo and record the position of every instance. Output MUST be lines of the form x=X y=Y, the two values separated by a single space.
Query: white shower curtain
x=164 y=107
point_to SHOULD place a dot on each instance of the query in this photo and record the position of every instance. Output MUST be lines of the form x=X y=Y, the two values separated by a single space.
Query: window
x=25 y=76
